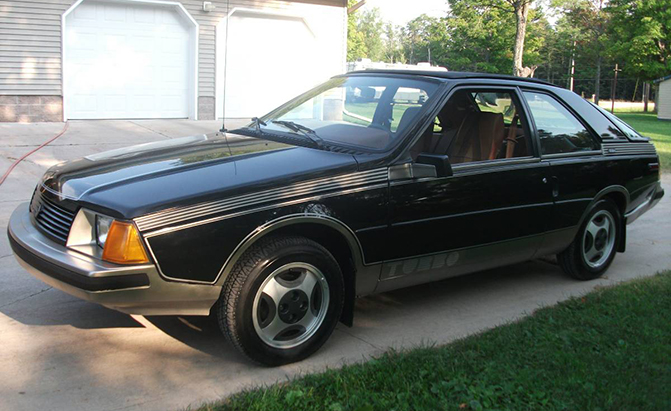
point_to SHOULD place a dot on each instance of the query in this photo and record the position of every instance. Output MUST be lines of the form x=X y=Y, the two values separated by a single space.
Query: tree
x=588 y=17
x=521 y=10
x=393 y=47
x=482 y=36
x=370 y=25
x=356 y=46
x=640 y=36
x=422 y=36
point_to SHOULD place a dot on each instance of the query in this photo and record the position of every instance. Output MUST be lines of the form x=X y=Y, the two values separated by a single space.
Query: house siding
x=31 y=60
x=664 y=100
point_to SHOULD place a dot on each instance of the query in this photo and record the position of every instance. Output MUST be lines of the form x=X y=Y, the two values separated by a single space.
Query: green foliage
x=365 y=34
x=422 y=34
x=640 y=36
x=356 y=46
x=609 y=350
x=393 y=49
x=371 y=25
x=482 y=36
x=658 y=130
x=478 y=35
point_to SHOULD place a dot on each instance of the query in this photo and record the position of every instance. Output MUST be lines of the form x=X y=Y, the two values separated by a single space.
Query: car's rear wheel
x=595 y=245
x=282 y=300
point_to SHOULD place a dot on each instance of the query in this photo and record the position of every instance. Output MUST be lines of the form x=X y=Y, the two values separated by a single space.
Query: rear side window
x=626 y=128
x=558 y=129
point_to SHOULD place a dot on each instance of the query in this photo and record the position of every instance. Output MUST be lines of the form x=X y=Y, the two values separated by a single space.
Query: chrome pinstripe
x=262 y=208
x=628 y=149
x=360 y=258
x=308 y=188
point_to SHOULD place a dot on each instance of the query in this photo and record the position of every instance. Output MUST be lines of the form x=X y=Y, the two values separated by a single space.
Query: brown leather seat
x=479 y=138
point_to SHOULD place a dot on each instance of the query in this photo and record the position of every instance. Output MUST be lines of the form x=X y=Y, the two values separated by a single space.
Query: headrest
x=408 y=116
x=490 y=120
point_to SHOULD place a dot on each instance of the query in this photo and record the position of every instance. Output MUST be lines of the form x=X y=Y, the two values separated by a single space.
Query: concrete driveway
x=62 y=353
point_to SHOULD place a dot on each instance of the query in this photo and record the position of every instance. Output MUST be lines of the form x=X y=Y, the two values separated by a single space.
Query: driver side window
x=476 y=126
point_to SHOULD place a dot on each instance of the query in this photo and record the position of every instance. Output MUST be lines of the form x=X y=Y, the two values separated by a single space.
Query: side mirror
x=440 y=161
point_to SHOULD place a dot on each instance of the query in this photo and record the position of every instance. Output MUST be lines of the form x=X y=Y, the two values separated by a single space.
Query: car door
x=577 y=166
x=491 y=211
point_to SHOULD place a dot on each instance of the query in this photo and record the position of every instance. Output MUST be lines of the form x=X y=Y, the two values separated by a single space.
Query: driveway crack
x=150 y=129
x=26 y=297
x=360 y=339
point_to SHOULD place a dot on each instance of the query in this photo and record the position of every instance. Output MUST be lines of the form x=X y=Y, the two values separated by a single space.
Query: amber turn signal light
x=123 y=245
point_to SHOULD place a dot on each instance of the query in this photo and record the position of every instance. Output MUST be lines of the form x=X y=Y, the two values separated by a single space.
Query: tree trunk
x=521 y=12
x=597 y=82
x=646 y=96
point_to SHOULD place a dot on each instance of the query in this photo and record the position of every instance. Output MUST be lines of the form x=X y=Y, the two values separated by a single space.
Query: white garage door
x=127 y=61
x=271 y=59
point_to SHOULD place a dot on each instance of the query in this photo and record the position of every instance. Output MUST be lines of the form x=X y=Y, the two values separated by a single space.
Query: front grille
x=52 y=219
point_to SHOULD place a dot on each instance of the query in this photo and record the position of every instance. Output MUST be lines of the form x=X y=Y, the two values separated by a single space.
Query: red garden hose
x=16 y=163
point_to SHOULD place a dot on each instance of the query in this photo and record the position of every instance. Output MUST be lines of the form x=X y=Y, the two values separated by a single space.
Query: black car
x=278 y=226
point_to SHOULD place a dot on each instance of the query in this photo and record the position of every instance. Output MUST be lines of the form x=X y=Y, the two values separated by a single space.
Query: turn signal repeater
x=123 y=245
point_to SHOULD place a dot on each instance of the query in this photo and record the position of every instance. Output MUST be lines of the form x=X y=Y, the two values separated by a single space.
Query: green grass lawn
x=609 y=350
x=659 y=130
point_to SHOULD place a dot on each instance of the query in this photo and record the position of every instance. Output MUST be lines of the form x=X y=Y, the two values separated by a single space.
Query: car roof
x=452 y=75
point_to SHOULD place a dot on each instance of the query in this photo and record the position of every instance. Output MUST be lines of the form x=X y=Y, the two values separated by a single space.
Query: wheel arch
x=329 y=232
x=620 y=196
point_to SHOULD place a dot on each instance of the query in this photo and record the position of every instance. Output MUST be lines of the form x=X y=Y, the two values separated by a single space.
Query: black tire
x=235 y=306
x=573 y=260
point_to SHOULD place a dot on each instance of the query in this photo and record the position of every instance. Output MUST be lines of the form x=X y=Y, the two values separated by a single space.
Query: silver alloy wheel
x=599 y=239
x=290 y=305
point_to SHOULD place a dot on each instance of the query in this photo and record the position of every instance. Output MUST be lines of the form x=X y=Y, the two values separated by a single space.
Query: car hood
x=141 y=179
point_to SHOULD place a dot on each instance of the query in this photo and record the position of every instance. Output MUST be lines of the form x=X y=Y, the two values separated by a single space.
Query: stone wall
x=29 y=109
x=206 y=108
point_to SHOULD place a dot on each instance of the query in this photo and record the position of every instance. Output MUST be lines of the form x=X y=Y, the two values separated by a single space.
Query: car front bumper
x=133 y=289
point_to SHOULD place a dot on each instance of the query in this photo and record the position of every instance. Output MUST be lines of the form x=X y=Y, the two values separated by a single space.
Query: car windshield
x=367 y=113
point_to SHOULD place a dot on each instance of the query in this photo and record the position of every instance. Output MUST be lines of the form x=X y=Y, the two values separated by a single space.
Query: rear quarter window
x=559 y=131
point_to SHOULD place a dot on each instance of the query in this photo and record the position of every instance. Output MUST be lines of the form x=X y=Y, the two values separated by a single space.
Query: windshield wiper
x=258 y=123
x=303 y=130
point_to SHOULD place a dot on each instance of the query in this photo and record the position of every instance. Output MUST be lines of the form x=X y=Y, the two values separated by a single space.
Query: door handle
x=555 y=187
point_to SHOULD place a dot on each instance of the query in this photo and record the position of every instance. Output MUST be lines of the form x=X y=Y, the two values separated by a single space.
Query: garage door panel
x=144 y=15
x=84 y=103
x=127 y=58
x=143 y=43
x=114 y=12
x=115 y=103
x=265 y=70
x=146 y=103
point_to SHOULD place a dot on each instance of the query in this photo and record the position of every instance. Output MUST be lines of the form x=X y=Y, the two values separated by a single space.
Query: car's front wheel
x=595 y=245
x=282 y=300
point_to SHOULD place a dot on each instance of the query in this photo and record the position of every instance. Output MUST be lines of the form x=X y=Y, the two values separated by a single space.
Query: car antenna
x=228 y=22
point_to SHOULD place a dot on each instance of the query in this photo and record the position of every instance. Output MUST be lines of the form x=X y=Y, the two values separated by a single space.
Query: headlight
x=103 y=237
x=102 y=229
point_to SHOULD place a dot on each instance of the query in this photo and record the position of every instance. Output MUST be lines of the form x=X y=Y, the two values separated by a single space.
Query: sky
x=400 y=12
